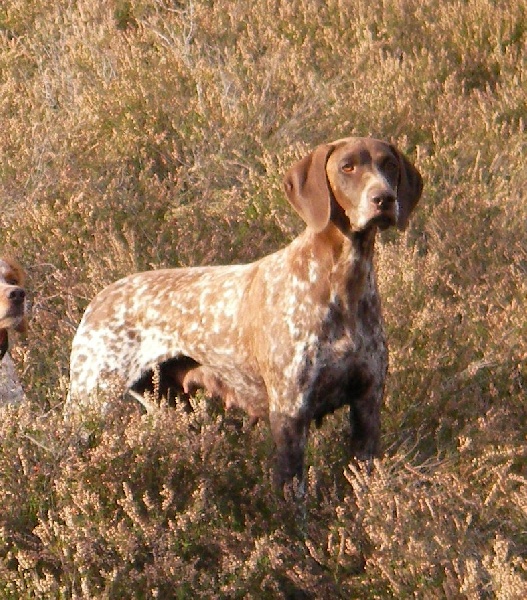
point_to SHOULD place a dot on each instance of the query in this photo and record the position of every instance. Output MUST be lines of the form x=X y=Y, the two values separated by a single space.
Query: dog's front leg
x=290 y=437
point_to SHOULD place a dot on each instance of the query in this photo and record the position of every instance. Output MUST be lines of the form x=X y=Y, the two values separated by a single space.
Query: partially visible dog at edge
x=289 y=338
x=12 y=318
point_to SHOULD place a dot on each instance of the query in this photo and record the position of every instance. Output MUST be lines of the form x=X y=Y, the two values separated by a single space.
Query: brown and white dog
x=12 y=317
x=290 y=337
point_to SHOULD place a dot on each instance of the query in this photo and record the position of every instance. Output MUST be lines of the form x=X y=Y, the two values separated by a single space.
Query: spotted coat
x=290 y=337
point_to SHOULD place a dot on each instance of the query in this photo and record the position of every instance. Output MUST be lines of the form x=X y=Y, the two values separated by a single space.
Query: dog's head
x=371 y=181
x=12 y=301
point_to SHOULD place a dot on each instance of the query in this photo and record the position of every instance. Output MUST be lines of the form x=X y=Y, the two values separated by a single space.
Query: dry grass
x=139 y=134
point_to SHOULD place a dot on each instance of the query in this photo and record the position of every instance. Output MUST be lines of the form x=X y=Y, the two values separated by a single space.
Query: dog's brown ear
x=307 y=188
x=4 y=342
x=409 y=189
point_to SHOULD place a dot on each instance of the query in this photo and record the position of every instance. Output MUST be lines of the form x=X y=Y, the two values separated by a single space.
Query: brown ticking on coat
x=291 y=337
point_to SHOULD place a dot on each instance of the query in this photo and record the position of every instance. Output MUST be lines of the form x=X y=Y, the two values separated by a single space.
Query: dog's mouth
x=383 y=220
x=12 y=317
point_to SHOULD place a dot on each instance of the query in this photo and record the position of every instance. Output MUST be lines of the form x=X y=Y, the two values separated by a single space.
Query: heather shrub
x=141 y=134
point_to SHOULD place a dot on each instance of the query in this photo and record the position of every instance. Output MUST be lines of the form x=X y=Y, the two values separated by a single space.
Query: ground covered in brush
x=145 y=134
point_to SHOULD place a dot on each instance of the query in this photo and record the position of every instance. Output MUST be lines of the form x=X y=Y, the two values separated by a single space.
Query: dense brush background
x=143 y=134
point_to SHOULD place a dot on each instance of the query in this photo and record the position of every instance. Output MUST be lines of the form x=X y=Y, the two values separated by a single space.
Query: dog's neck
x=353 y=268
x=342 y=260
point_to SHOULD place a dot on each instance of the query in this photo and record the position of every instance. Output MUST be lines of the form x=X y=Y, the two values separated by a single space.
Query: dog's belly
x=235 y=387
x=242 y=390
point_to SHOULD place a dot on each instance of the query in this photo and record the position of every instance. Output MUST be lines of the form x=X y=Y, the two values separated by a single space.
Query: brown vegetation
x=140 y=134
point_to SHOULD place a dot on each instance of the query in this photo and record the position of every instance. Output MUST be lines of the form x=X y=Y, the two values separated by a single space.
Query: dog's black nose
x=17 y=295
x=383 y=200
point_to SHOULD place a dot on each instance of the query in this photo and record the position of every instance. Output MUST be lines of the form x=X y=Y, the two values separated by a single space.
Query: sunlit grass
x=144 y=134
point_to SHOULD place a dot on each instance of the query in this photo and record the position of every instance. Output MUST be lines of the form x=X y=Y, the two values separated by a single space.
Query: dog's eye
x=390 y=168
x=348 y=167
